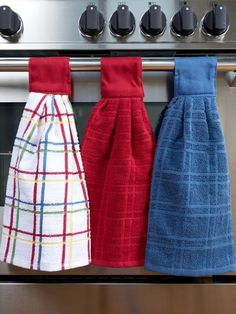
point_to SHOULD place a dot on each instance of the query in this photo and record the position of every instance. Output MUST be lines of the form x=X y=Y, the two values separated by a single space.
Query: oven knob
x=122 y=22
x=216 y=22
x=184 y=22
x=153 y=21
x=91 y=22
x=10 y=22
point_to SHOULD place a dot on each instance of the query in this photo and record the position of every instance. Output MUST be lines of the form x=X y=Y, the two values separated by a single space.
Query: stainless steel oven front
x=52 y=27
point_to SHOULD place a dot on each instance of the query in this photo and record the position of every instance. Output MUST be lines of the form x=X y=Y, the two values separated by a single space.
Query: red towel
x=117 y=152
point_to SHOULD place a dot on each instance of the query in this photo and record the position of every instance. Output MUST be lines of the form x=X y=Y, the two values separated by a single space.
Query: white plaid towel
x=46 y=216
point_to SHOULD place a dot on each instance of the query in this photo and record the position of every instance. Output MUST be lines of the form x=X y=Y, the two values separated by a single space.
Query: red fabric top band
x=121 y=77
x=50 y=75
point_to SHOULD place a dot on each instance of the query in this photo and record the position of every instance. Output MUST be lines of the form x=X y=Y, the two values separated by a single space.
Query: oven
x=61 y=28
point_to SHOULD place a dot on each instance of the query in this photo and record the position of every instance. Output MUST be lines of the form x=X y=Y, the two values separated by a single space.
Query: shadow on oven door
x=93 y=289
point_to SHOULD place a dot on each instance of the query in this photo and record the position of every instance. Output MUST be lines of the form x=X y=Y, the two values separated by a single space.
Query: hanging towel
x=117 y=152
x=190 y=224
x=46 y=216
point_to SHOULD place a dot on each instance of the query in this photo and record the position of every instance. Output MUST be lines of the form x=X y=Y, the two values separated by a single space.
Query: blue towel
x=190 y=224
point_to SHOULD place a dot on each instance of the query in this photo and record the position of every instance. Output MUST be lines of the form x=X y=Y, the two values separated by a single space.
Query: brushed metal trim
x=59 y=31
x=93 y=64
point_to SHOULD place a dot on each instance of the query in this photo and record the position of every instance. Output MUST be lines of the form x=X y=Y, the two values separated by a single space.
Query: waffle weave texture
x=190 y=224
x=117 y=152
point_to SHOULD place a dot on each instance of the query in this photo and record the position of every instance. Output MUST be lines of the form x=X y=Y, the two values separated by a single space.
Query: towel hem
x=182 y=272
x=116 y=264
x=47 y=267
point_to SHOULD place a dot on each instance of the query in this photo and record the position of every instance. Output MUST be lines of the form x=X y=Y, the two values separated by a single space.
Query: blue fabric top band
x=195 y=76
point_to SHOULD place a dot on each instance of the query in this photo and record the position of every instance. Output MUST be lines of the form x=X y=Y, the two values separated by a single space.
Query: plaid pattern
x=190 y=223
x=46 y=217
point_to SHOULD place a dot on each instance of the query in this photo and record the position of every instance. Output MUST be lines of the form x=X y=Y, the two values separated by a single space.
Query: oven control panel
x=113 y=25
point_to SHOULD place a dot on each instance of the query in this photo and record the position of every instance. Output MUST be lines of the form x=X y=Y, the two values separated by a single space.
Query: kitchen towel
x=117 y=152
x=190 y=225
x=46 y=216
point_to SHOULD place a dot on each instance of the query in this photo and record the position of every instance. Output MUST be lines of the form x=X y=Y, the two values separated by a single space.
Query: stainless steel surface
x=125 y=299
x=53 y=24
x=93 y=64
x=233 y=82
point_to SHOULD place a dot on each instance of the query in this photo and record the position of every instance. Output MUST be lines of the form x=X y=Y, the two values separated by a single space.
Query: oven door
x=134 y=291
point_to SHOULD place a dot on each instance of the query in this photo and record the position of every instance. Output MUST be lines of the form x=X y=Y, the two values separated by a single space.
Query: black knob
x=10 y=22
x=122 y=22
x=91 y=22
x=184 y=22
x=216 y=22
x=153 y=22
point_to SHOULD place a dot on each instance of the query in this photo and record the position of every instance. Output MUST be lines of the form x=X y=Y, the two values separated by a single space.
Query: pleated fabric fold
x=190 y=223
x=46 y=223
x=117 y=152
